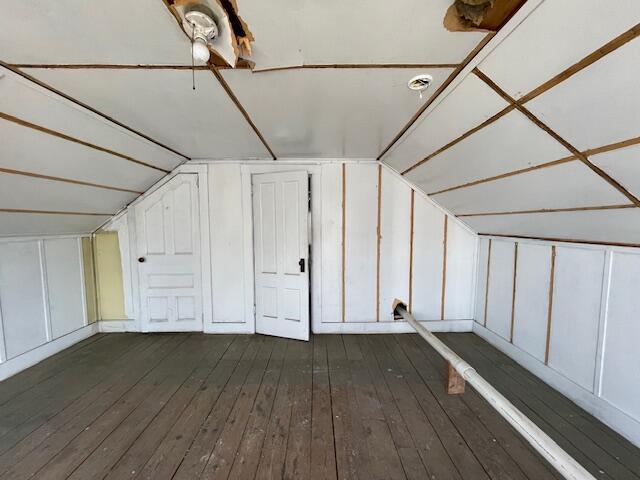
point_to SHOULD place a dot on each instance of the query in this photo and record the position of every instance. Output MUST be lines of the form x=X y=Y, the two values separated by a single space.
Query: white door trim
x=205 y=246
x=315 y=239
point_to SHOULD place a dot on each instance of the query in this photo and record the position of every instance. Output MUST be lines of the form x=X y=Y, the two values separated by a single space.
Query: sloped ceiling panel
x=200 y=123
x=142 y=32
x=349 y=112
x=353 y=32
x=566 y=140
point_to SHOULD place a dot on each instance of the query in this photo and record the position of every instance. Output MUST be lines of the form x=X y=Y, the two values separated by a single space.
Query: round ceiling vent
x=420 y=82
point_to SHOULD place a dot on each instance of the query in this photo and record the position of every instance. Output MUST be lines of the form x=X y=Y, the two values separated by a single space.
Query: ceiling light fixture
x=420 y=83
x=199 y=24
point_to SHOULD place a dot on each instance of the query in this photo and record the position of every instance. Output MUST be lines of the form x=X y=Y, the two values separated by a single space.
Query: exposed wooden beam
x=67 y=180
x=243 y=111
x=543 y=126
x=69 y=138
x=110 y=119
x=54 y=212
x=548 y=210
x=466 y=134
x=590 y=59
x=437 y=93
x=560 y=240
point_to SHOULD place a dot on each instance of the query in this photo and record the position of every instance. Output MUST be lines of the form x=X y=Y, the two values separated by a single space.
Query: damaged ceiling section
x=480 y=15
x=219 y=27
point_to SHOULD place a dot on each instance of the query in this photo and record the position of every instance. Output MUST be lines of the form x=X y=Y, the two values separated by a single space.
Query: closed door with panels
x=168 y=245
x=281 y=244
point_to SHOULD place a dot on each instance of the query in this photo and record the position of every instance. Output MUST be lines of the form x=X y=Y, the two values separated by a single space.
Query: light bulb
x=200 y=51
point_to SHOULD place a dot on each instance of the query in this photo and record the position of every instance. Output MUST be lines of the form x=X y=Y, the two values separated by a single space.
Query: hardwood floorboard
x=430 y=361
x=248 y=455
x=323 y=452
x=433 y=453
x=583 y=449
x=22 y=445
x=175 y=445
x=49 y=367
x=402 y=439
x=52 y=395
x=370 y=407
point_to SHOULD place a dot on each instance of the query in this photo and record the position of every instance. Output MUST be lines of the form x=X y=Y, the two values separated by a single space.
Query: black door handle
x=301 y=263
x=141 y=259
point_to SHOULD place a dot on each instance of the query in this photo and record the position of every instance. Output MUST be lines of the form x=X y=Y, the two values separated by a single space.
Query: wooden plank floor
x=193 y=406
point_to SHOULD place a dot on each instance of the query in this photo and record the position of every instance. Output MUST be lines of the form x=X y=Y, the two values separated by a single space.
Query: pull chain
x=193 y=62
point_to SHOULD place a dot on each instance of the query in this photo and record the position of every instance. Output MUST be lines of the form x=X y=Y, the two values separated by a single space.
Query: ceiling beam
x=437 y=93
x=69 y=138
x=53 y=212
x=548 y=210
x=543 y=126
x=110 y=119
x=561 y=240
x=240 y=107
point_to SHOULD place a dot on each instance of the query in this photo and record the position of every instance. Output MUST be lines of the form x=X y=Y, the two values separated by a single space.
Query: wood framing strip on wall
x=232 y=96
x=513 y=293
x=378 y=237
x=444 y=266
x=110 y=119
x=69 y=138
x=411 y=235
x=437 y=93
x=346 y=66
x=486 y=286
x=548 y=210
x=343 y=243
x=66 y=180
x=550 y=304
x=560 y=240
x=54 y=212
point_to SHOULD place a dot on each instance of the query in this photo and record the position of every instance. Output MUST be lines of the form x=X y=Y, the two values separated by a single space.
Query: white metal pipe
x=545 y=446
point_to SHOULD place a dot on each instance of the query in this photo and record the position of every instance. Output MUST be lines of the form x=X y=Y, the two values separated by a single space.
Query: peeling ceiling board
x=17 y=224
x=598 y=105
x=595 y=226
x=471 y=103
x=511 y=143
x=161 y=103
x=555 y=36
x=623 y=165
x=351 y=112
x=20 y=192
x=29 y=150
x=567 y=185
x=27 y=101
x=113 y=32
x=358 y=31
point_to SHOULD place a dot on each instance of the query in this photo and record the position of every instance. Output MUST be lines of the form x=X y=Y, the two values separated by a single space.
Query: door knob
x=141 y=259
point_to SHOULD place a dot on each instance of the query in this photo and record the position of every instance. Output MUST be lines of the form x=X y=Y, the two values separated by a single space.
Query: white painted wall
x=232 y=250
x=594 y=321
x=42 y=300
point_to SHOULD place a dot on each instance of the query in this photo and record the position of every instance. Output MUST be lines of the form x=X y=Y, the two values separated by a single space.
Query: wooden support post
x=455 y=382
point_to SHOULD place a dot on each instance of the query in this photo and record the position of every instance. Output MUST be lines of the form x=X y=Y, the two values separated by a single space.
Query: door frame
x=205 y=245
x=315 y=256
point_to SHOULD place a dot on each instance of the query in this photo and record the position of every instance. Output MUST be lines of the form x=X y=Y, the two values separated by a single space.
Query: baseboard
x=394 y=327
x=116 y=326
x=596 y=406
x=30 y=358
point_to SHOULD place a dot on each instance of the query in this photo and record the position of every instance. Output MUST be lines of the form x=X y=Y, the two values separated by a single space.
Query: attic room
x=320 y=240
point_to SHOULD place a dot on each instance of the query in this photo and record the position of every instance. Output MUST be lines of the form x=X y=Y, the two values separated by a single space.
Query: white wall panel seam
x=45 y=290
x=602 y=325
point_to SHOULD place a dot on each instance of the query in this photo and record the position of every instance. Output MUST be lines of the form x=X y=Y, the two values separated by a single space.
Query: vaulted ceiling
x=532 y=131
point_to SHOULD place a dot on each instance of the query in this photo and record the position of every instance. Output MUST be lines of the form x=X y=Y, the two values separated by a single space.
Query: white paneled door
x=168 y=247
x=281 y=242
